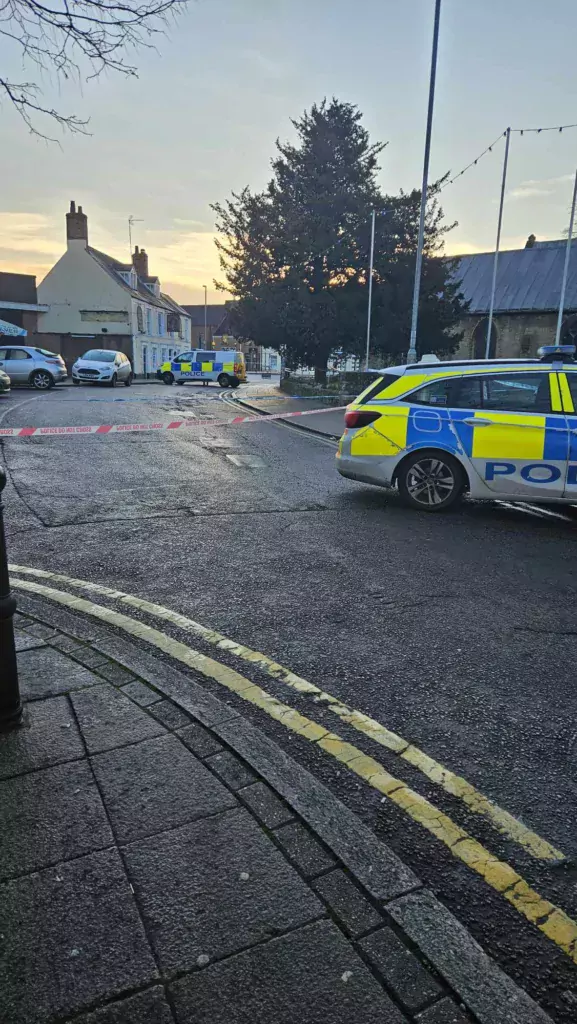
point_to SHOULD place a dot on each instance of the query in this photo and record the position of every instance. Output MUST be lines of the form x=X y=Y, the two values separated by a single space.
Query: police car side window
x=571 y=380
x=435 y=393
x=523 y=392
x=467 y=393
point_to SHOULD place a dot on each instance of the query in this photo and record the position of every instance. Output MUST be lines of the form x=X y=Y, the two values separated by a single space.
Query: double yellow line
x=551 y=920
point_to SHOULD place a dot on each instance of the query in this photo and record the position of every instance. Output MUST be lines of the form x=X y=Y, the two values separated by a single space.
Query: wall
x=518 y=334
x=77 y=282
x=71 y=348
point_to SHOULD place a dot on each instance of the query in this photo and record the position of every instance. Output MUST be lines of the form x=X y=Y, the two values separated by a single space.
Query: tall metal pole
x=10 y=705
x=205 y=318
x=566 y=265
x=412 y=353
x=497 y=244
x=371 y=261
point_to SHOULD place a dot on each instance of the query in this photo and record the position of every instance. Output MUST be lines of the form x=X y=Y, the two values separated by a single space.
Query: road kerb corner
x=479 y=983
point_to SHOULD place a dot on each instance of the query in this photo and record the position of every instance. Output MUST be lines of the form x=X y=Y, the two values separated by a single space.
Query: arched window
x=139 y=320
x=480 y=339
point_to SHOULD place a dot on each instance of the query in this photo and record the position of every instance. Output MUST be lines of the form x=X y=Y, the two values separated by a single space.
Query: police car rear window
x=381 y=384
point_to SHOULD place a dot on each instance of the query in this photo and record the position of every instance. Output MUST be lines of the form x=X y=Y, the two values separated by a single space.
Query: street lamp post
x=412 y=353
x=370 y=300
x=205 y=316
x=10 y=704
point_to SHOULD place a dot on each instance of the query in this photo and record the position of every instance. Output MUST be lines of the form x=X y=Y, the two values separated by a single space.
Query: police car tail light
x=360 y=417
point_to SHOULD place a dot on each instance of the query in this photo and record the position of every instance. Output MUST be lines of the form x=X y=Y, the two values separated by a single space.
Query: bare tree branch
x=71 y=37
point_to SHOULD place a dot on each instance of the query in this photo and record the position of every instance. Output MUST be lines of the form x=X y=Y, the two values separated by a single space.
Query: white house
x=94 y=300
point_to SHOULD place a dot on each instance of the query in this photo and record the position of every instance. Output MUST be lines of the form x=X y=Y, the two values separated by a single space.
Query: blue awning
x=12 y=330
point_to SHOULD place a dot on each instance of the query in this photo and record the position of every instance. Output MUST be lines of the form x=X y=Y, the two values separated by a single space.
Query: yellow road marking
x=452 y=783
x=551 y=920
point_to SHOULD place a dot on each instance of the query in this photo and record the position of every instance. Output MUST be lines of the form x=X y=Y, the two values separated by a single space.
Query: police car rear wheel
x=223 y=380
x=168 y=377
x=430 y=481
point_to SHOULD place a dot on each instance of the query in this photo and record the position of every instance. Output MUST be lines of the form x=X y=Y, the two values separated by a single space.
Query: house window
x=139 y=320
x=149 y=321
x=161 y=324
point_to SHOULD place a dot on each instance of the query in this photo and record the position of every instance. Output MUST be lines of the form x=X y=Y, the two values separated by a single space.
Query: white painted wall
x=77 y=282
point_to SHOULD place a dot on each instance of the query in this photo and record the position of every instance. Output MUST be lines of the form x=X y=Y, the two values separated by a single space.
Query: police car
x=503 y=429
x=226 y=368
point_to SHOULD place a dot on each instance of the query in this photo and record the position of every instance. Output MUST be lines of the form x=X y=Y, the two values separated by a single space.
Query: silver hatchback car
x=37 y=367
x=102 y=366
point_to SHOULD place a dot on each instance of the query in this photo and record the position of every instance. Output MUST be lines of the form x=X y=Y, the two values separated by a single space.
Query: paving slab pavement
x=157 y=868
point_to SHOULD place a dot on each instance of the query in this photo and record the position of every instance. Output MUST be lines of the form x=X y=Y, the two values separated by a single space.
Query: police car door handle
x=478 y=423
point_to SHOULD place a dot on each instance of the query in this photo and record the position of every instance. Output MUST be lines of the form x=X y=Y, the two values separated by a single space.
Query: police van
x=226 y=368
x=498 y=428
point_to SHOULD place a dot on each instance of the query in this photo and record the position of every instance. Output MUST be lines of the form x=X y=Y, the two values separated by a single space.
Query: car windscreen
x=97 y=355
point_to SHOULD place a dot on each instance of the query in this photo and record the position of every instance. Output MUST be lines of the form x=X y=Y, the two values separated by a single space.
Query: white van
x=227 y=368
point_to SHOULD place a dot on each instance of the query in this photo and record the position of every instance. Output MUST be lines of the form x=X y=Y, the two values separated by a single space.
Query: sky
x=224 y=80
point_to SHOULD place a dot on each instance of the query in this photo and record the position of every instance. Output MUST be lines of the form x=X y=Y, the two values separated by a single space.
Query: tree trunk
x=321 y=374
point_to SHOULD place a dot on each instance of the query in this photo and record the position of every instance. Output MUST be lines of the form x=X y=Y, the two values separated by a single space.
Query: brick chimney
x=76 y=226
x=140 y=261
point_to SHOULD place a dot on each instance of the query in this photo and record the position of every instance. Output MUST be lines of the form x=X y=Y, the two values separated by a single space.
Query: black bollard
x=10 y=704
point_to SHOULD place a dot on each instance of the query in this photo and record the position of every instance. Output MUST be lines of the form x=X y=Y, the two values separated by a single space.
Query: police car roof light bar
x=551 y=353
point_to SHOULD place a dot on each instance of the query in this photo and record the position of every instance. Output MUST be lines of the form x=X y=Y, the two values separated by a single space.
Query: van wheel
x=180 y=383
x=431 y=481
x=168 y=377
x=234 y=382
x=223 y=380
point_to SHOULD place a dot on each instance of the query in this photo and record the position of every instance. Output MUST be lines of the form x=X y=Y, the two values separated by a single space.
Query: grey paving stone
x=48 y=816
x=72 y=936
x=92 y=659
x=483 y=987
x=308 y=855
x=108 y=719
x=199 y=740
x=379 y=870
x=409 y=980
x=23 y=642
x=231 y=770
x=67 y=644
x=445 y=1012
x=48 y=735
x=142 y=694
x=156 y=785
x=46 y=673
x=351 y=908
x=184 y=689
x=223 y=886
x=115 y=673
x=266 y=805
x=21 y=621
x=41 y=629
x=148 y=1007
x=170 y=716
x=312 y=976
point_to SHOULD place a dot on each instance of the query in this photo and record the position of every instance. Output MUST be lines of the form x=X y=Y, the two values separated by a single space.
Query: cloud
x=538 y=187
x=26 y=237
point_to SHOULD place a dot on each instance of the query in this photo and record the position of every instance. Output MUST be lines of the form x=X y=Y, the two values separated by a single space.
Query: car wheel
x=41 y=380
x=431 y=481
x=75 y=382
x=113 y=381
x=168 y=377
x=180 y=383
x=128 y=381
x=223 y=380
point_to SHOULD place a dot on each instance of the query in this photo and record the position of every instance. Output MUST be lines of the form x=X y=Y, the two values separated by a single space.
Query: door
x=19 y=366
x=512 y=428
x=568 y=390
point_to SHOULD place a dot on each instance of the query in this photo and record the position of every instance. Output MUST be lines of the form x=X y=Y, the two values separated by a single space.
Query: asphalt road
x=455 y=631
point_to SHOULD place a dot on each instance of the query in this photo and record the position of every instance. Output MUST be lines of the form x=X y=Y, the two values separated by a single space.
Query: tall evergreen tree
x=296 y=255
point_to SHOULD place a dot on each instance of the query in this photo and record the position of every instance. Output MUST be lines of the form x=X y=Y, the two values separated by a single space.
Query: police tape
x=128 y=428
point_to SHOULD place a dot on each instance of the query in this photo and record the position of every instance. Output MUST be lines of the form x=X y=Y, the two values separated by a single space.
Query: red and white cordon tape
x=128 y=428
